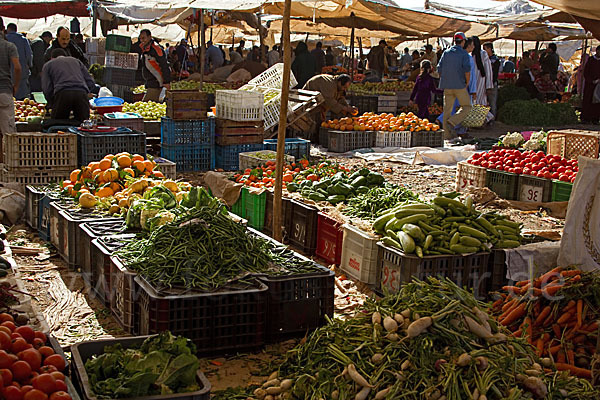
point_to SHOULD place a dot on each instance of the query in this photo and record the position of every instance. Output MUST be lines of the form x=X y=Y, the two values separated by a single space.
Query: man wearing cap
x=38 y=48
x=455 y=72
x=376 y=58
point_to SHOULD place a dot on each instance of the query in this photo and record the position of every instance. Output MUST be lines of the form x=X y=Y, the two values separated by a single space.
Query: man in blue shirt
x=25 y=59
x=455 y=72
x=214 y=57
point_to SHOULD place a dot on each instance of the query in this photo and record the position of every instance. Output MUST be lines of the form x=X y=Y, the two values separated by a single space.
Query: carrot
x=537 y=308
x=576 y=371
x=514 y=289
x=564 y=318
x=508 y=305
x=549 y=319
x=591 y=327
x=556 y=330
x=575 y=279
x=554 y=349
x=524 y=289
x=579 y=339
x=497 y=303
x=507 y=312
x=544 y=278
x=571 y=334
x=518 y=333
x=551 y=290
x=560 y=357
x=570 y=305
x=514 y=315
x=579 y=312
x=543 y=315
x=523 y=283
x=570 y=273
x=528 y=328
x=571 y=356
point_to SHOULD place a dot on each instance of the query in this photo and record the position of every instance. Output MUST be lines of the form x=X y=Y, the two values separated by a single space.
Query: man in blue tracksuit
x=25 y=59
x=454 y=68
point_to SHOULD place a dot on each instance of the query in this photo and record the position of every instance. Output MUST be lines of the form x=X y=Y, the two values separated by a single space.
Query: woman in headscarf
x=484 y=73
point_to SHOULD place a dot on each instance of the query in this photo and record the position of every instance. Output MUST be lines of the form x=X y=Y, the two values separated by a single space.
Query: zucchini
x=455 y=239
x=445 y=202
x=409 y=220
x=487 y=225
x=419 y=251
x=391 y=242
x=470 y=241
x=467 y=230
x=439 y=210
x=428 y=241
x=390 y=225
x=507 y=244
x=380 y=222
x=461 y=249
x=414 y=231
x=408 y=244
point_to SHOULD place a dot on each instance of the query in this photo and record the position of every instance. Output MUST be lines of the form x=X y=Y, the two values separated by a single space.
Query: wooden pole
x=202 y=45
x=260 y=38
x=285 y=91
x=516 y=44
x=352 y=51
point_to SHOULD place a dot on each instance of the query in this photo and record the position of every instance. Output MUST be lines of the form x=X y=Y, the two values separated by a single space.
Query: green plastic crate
x=118 y=43
x=504 y=184
x=239 y=208
x=561 y=191
x=254 y=209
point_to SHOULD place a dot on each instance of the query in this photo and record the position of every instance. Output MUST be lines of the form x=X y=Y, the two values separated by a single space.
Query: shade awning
x=33 y=9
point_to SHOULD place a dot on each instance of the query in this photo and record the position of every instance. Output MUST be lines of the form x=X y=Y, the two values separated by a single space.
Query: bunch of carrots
x=558 y=314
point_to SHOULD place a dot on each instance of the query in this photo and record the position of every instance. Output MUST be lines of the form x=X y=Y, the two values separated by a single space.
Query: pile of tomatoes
x=29 y=368
x=528 y=162
x=264 y=176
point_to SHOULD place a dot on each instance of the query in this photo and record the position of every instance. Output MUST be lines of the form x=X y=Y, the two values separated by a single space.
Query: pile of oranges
x=109 y=177
x=382 y=122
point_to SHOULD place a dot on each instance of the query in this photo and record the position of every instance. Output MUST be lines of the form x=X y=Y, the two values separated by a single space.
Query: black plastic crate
x=468 y=270
x=427 y=139
x=124 y=296
x=54 y=222
x=223 y=322
x=286 y=216
x=103 y=248
x=70 y=241
x=504 y=184
x=95 y=146
x=81 y=352
x=185 y=132
x=303 y=227
x=365 y=103
x=119 y=76
x=534 y=189
x=33 y=195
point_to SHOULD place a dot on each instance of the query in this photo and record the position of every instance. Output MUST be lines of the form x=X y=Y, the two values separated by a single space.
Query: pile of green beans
x=368 y=206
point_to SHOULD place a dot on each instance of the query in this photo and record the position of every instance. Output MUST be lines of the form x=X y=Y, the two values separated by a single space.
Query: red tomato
x=573 y=179
x=547 y=175
x=12 y=393
x=6 y=317
x=9 y=324
x=48 y=369
x=25 y=389
x=46 y=351
x=518 y=170
x=45 y=382
x=55 y=360
x=61 y=386
x=33 y=358
x=535 y=159
x=21 y=371
x=555 y=175
x=27 y=332
x=60 y=396
x=59 y=376
x=35 y=395
x=563 y=178
x=41 y=335
x=7 y=376
x=18 y=345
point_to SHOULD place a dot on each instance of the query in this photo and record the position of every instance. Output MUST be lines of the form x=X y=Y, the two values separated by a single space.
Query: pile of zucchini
x=446 y=226
x=339 y=187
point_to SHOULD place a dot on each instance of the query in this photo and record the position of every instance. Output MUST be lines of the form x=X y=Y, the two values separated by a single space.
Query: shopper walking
x=424 y=87
x=63 y=41
x=10 y=77
x=591 y=73
x=25 y=59
x=329 y=57
x=492 y=94
x=155 y=68
x=376 y=58
x=273 y=56
x=405 y=60
x=454 y=68
x=304 y=65
x=319 y=56
x=38 y=49
x=66 y=83
x=549 y=61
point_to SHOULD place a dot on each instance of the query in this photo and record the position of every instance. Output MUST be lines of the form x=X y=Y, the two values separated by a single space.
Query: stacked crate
x=35 y=158
x=120 y=66
x=188 y=143
x=95 y=50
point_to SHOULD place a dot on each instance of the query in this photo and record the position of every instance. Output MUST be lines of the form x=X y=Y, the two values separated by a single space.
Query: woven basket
x=476 y=117
x=571 y=143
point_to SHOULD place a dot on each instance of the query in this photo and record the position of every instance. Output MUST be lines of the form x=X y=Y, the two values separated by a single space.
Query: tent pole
x=212 y=22
x=352 y=50
x=260 y=38
x=94 y=17
x=522 y=47
x=285 y=92
x=202 y=44
x=360 y=50
x=516 y=49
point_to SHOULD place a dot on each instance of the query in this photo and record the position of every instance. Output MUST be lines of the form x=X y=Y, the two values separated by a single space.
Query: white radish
x=463 y=360
x=269 y=383
x=482 y=363
x=419 y=326
x=475 y=395
x=377 y=358
x=273 y=375
x=399 y=319
x=477 y=329
x=269 y=397
x=363 y=394
x=536 y=386
x=335 y=395
x=393 y=337
x=482 y=397
x=357 y=377
x=546 y=362
x=405 y=313
x=483 y=317
x=405 y=365
x=274 y=390
x=382 y=394
x=286 y=384
x=260 y=393
x=376 y=318
x=390 y=324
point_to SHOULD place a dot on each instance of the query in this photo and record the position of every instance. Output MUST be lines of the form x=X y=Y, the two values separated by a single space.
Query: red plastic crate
x=330 y=236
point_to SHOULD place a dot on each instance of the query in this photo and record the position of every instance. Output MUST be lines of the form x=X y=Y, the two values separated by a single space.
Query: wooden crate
x=300 y=104
x=238 y=132
x=572 y=143
x=187 y=104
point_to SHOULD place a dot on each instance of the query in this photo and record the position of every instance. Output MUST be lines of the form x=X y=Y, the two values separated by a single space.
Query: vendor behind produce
x=155 y=70
x=67 y=83
x=63 y=41
x=333 y=89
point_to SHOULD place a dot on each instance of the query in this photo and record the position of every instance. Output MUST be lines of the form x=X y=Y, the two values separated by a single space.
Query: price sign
x=464 y=183
x=533 y=194
x=390 y=278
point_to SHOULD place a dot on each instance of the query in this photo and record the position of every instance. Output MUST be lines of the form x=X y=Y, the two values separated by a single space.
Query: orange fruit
x=96 y=172
x=87 y=173
x=124 y=161
x=94 y=165
x=109 y=157
x=149 y=165
x=87 y=200
x=115 y=187
x=139 y=165
x=104 y=192
x=111 y=175
x=67 y=183
x=157 y=174
x=124 y=153
x=129 y=171
x=74 y=177
x=123 y=203
x=105 y=164
x=69 y=189
x=137 y=157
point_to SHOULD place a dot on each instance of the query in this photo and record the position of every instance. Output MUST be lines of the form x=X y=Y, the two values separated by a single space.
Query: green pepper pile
x=446 y=226
x=338 y=188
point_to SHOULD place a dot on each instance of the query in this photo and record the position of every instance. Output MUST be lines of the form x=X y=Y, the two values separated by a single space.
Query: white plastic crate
x=239 y=105
x=273 y=78
x=253 y=159
x=387 y=101
x=168 y=168
x=392 y=139
x=117 y=59
x=360 y=255
x=468 y=175
x=272 y=111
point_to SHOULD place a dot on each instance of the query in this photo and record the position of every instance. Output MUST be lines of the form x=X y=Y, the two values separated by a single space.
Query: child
x=424 y=86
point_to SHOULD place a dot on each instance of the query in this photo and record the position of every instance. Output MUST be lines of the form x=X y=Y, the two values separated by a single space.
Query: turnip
x=357 y=377
x=536 y=386
x=393 y=337
x=286 y=384
x=269 y=383
x=405 y=313
x=475 y=395
x=377 y=358
x=390 y=324
x=363 y=394
x=273 y=375
x=482 y=363
x=260 y=393
x=435 y=395
x=463 y=360
x=376 y=318
x=419 y=326
x=335 y=395
x=477 y=329
x=399 y=319
x=382 y=394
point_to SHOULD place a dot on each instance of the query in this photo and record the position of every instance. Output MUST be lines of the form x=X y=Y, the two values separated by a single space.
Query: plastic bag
x=104 y=92
x=162 y=95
